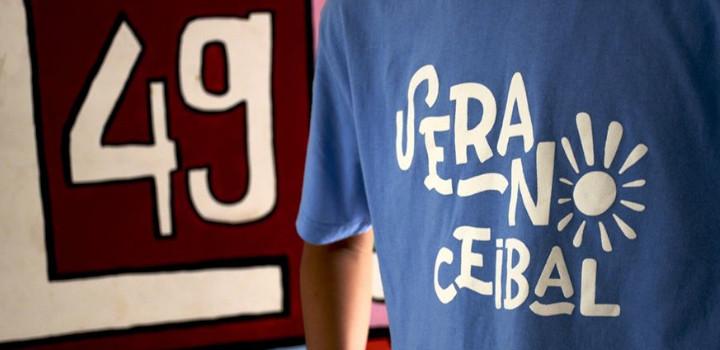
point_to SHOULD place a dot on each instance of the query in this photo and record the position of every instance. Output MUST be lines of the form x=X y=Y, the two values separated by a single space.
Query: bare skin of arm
x=335 y=282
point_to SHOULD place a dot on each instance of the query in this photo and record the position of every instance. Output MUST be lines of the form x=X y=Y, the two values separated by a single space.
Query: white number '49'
x=248 y=46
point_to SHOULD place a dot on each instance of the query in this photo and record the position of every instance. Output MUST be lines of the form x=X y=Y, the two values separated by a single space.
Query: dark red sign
x=171 y=136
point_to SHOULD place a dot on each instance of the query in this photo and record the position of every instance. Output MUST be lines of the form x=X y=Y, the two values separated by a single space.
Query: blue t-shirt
x=538 y=174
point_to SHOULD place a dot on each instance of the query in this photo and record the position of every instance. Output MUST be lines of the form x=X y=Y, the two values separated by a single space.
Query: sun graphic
x=595 y=191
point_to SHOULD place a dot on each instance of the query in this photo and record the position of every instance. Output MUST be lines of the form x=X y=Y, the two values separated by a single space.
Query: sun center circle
x=595 y=193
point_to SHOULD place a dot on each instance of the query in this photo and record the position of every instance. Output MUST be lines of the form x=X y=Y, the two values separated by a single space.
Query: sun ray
x=635 y=183
x=577 y=240
x=624 y=227
x=564 y=200
x=635 y=155
x=604 y=239
x=566 y=181
x=632 y=205
x=564 y=222
x=614 y=135
x=569 y=154
x=584 y=126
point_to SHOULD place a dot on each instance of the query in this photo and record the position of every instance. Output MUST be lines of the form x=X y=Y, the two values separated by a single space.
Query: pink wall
x=317 y=6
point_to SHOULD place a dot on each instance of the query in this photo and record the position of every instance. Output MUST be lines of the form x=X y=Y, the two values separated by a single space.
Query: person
x=536 y=174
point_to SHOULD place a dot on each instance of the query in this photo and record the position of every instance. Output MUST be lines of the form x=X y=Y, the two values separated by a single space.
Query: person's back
x=538 y=174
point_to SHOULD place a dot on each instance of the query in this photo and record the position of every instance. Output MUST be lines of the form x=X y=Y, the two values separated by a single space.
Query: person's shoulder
x=346 y=6
x=352 y=10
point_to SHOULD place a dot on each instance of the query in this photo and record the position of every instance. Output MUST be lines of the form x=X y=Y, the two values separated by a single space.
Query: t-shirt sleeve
x=333 y=204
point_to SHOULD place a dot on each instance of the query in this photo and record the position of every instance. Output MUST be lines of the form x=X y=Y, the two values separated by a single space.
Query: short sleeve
x=333 y=204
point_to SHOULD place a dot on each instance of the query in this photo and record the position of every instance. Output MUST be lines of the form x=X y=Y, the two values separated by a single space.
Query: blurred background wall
x=151 y=160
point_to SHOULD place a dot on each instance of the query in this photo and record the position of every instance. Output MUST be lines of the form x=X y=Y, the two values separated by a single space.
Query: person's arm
x=335 y=283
